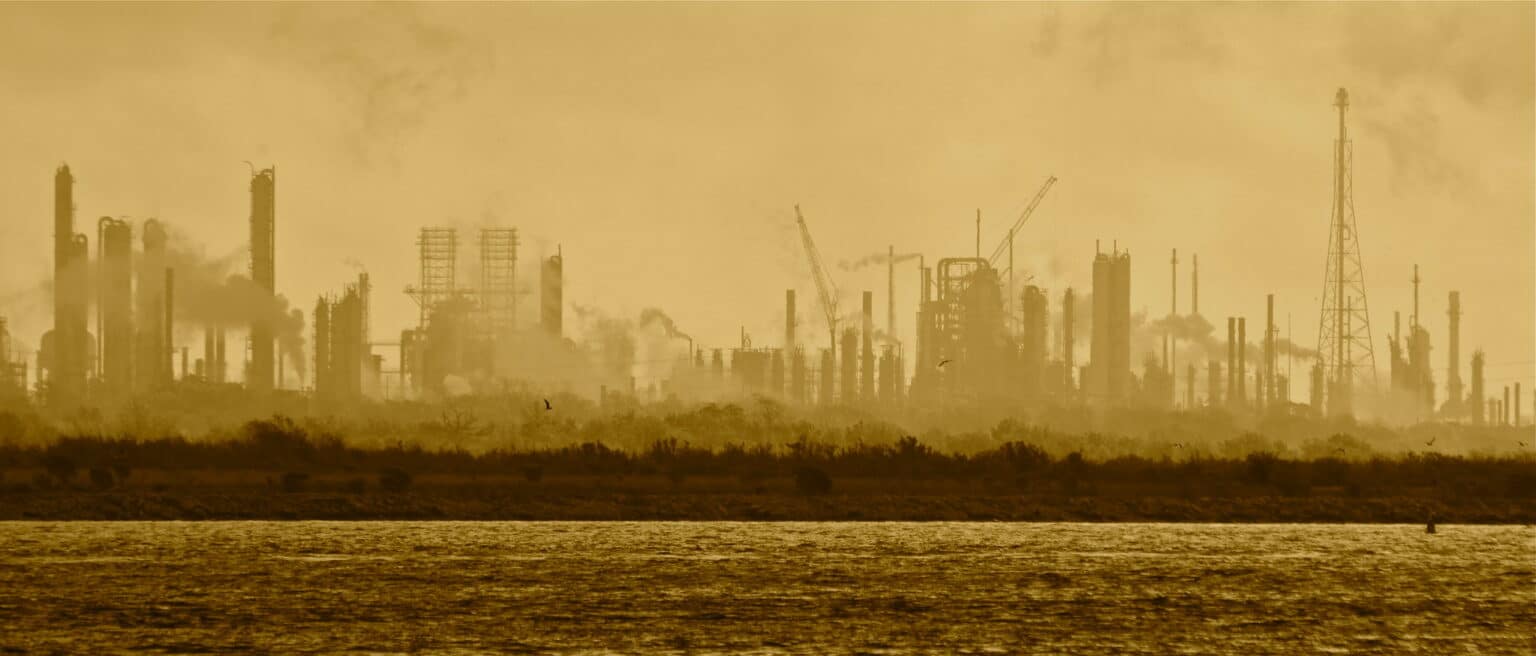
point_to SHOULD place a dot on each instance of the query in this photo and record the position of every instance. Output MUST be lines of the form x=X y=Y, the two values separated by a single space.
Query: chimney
x=1242 y=360
x=1453 y=376
x=1231 y=391
x=867 y=350
x=1066 y=339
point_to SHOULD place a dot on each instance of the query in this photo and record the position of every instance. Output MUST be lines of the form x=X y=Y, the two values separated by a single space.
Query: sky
x=663 y=148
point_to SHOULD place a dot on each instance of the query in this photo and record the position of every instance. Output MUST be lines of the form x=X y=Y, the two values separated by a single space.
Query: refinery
x=985 y=334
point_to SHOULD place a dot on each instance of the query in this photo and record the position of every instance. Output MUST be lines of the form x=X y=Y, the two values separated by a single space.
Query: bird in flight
x=546 y=405
x=943 y=362
x=1431 y=441
x=1178 y=445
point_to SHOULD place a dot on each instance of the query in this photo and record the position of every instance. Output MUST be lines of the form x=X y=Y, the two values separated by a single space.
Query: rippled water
x=767 y=588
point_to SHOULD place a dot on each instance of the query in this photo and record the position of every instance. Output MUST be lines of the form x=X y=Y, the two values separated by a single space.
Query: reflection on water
x=766 y=588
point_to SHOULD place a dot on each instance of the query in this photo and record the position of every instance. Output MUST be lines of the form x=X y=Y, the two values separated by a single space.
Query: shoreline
x=505 y=505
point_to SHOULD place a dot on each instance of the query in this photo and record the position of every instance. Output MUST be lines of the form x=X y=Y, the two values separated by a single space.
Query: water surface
x=449 y=587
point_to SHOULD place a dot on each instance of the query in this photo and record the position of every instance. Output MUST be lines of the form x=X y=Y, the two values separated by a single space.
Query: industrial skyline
x=715 y=266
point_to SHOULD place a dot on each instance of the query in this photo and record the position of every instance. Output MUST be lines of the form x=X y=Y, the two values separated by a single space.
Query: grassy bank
x=278 y=470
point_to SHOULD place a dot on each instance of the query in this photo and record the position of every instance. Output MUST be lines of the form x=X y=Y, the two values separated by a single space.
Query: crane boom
x=1023 y=217
x=825 y=288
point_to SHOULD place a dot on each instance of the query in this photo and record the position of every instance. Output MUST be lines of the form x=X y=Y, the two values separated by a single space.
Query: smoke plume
x=875 y=259
x=654 y=316
x=207 y=293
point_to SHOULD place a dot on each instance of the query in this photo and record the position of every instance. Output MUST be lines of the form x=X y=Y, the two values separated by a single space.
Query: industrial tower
x=262 y=374
x=1344 y=323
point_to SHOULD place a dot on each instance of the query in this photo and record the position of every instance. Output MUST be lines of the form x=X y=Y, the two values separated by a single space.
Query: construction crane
x=1007 y=242
x=825 y=288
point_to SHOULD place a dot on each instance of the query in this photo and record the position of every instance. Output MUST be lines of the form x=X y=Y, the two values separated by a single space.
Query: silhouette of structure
x=552 y=296
x=1110 y=350
x=65 y=349
x=498 y=280
x=260 y=376
x=1344 y=322
x=114 y=303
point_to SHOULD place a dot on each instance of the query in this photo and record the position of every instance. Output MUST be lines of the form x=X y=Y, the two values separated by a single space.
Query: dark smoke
x=655 y=316
x=875 y=259
x=207 y=293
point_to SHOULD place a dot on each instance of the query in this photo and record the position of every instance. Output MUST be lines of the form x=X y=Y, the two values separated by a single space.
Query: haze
x=663 y=147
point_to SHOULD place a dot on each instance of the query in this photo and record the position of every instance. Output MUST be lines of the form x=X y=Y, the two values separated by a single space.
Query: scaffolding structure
x=438 y=249
x=498 y=279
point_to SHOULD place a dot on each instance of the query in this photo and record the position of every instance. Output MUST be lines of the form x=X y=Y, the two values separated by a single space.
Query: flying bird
x=1178 y=445
x=1431 y=441
x=943 y=362
x=546 y=405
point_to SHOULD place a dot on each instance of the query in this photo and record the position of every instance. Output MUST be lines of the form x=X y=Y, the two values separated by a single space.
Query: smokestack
x=67 y=370
x=1066 y=340
x=263 y=273
x=1453 y=377
x=1231 y=391
x=1213 y=383
x=114 y=310
x=1517 y=404
x=867 y=350
x=1242 y=361
x=551 y=298
x=1504 y=408
x=1194 y=285
x=1269 y=350
x=1477 y=400
x=1174 y=282
x=209 y=354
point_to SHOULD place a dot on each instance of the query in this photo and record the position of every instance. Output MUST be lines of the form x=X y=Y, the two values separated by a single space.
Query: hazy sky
x=664 y=146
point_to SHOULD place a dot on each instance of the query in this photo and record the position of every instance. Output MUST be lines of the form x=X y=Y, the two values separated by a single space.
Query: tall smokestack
x=551 y=298
x=1476 y=402
x=114 y=310
x=1174 y=282
x=1269 y=350
x=1066 y=340
x=67 y=370
x=1504 y=408
x=263 y=273
x=1231 y=391
x=867 y=350
x=1241 y=394
x=1453 y=400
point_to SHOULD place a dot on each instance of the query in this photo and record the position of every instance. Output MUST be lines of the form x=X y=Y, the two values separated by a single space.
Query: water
x=765 y=588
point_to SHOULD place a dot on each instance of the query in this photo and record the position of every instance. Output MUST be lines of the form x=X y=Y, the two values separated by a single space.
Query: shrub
x=394 y=479
x=61 y=468
x=812 y=481
x=101 y=478
x=533 y=473
x=295 y=481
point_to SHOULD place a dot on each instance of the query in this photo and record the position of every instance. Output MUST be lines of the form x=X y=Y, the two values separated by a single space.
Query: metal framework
x=438 y=249
x=1344 y=324
x=498 y=279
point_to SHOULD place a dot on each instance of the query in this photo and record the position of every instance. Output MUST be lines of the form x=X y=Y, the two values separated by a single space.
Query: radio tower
x=1344 y=324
